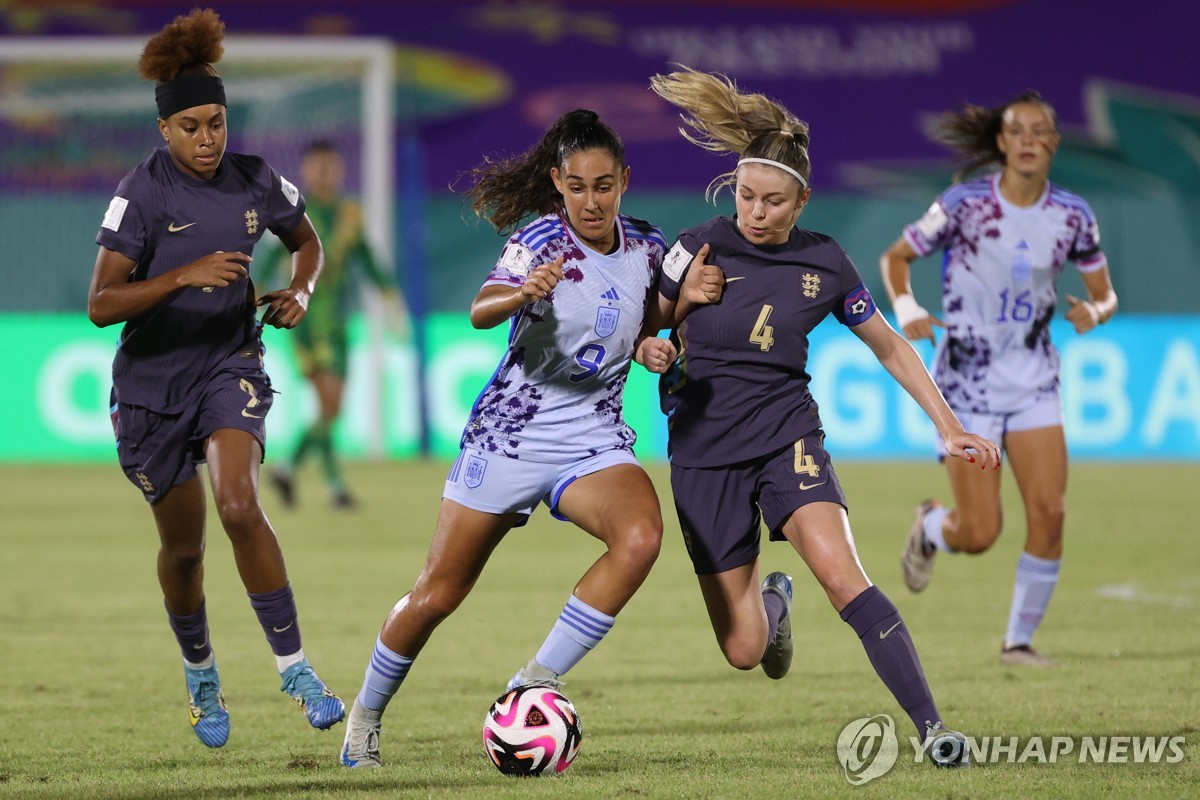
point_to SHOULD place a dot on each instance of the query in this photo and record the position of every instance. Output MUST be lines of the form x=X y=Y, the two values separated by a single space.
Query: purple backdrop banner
x=488 y=77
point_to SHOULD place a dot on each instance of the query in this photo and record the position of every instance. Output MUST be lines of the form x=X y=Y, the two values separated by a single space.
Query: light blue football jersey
x=557 y=394
x=999 y=275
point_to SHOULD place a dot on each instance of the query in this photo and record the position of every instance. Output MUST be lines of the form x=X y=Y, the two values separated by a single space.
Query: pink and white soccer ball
x=531 y=731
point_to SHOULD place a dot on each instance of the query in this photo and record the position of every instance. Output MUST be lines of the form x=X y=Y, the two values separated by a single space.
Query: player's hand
x=541 y=281
x=285 y=307
x=922 y=328
x=973 y=449
x=704 y=283
x=655 y=354
x=1082 y=314
x=215 y=270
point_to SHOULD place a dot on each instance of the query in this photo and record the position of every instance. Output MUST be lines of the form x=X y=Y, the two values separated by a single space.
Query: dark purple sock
x=890 y=649
x=277 y=614
x=776 y=608
x=191 y=631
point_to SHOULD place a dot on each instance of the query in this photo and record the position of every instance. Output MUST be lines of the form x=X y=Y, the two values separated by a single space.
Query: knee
x=432 y=604
x=240 y=515
x=841 y=589
x=743 y=655
x=1046 y=520
x=977 y=532
x=184 y=557
x=639 y=545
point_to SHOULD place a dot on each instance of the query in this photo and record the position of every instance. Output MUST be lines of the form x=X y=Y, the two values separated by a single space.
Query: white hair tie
x=784 y=167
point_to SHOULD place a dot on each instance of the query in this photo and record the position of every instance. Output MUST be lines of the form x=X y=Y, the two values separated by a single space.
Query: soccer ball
x=531 y=731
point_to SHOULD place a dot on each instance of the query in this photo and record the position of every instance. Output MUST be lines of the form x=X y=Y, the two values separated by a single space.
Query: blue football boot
x=206 y=705
x=321 y=706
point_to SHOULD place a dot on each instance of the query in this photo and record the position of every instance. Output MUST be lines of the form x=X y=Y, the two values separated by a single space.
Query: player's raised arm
x=896 y=264
x=286 y=307
x=495 y=304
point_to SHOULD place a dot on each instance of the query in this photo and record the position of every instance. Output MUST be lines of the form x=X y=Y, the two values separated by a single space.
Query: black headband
x=188 y=92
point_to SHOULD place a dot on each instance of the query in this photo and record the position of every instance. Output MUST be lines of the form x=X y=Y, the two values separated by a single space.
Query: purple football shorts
x=721 y=509
x=159 y=451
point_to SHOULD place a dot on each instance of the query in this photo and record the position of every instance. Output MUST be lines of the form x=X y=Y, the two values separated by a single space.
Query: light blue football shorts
x=497 y=484
x=1046 y=412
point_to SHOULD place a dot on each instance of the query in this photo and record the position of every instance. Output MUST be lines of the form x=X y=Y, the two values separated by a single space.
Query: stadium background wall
x=472 y=79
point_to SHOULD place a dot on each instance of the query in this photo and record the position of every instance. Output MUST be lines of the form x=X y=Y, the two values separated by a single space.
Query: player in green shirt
x=320 y=339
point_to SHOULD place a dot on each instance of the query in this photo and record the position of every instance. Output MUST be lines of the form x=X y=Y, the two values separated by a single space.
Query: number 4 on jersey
x=763 y=334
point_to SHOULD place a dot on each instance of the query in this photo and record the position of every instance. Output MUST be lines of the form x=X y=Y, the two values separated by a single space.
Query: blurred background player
x=320 y=340
x=746 y=440
x=188 y=379
x=1006 y=237
x=573 y=285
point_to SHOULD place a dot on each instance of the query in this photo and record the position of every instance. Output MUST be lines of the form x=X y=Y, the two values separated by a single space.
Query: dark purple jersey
x=739 y=389
x=163 y=219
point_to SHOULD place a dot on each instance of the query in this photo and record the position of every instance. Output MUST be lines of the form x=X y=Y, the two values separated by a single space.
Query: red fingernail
x=970 y=459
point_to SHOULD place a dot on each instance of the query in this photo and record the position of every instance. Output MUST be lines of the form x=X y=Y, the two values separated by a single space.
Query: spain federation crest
x=473 y=476
x=606 y=321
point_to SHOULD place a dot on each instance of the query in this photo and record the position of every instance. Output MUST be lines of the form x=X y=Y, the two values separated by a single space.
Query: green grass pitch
x=92 y=702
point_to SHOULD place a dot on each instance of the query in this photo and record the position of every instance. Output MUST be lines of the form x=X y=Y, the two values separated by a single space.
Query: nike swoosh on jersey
x=246 y=413
x=804 y=487
x=735 y=278
x=173 y=228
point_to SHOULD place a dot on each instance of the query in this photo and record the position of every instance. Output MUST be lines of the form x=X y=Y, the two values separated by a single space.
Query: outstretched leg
x=233 y=461
x=820 y=532
x=462 y=544
x=618 y=506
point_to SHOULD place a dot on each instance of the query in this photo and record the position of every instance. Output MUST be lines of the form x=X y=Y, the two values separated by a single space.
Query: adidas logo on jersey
x=611 y=294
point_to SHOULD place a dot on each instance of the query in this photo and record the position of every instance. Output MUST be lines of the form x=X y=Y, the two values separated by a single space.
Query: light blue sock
x=579 y=628
x=933 y=529
x=1032 y=589
x=384 y=675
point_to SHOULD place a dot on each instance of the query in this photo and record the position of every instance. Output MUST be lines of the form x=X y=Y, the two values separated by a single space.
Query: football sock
x=385 y=672
x=776 y=608
x=890 y=649
x=301 y=451
x=1032 y=589
x=579 y=628
x=329 y=463
x=205 y=664
x=276 y=613
x=191 y=631
x=933 y=529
